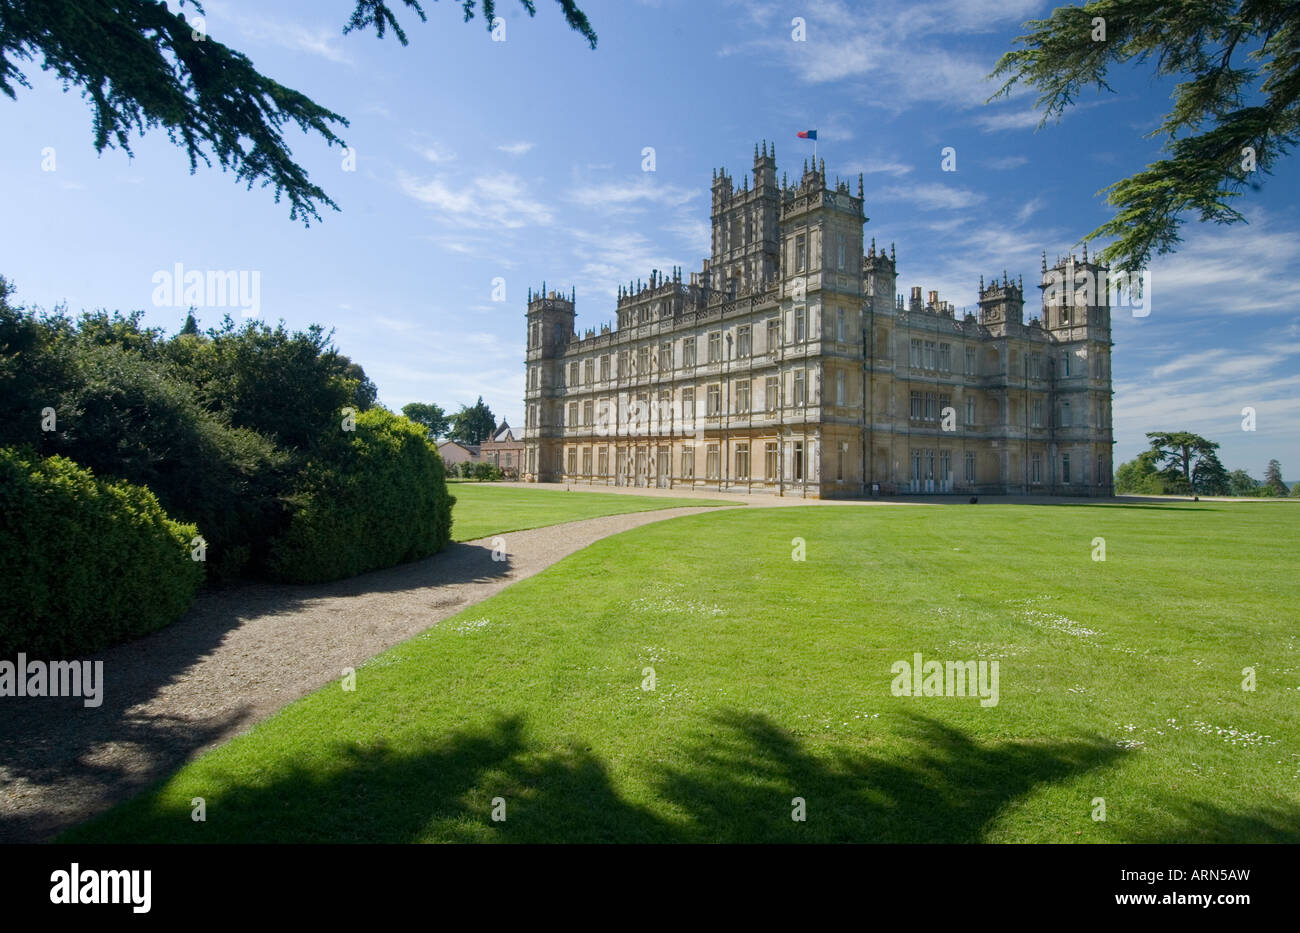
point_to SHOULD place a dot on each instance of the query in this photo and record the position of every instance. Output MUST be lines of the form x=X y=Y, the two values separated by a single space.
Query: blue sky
x=522 y=160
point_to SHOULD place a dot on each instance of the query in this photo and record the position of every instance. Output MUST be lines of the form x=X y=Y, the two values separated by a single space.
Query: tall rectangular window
x=742 y=461
x=588 y=410
x=945 y=465
x=773 y=335
x=643 y=360
x=715 y=346
x=666 y=356
x=769 y=462
x=573 y=415
x=800 y=324
x=800 y=253
x=970 y=410
x=1065 y=363
x=970 y=361
x=917 y=410
x=1065 y=414
x=742 y=395
x=839 y=387
x=970 y=467
x=799 y=398
x=623 y=364
x=744 y=342
x=841 y=256
x=602 y=461
x=917 y=359
x=712 y=462
x=688 y=406
x=945 y=357
x=1036 y=468
x=688 y=351
x=931 y=358
x=604 y=368
x=770 y=392
x=1037 y=416
x=1065 y=468
x=713 y=401
x=573 y=461
x=798 y=461
x=573 y=374
x=839 y=324
x=688 y=463
x=589 y=371
x=586 y=461
x=842 y=454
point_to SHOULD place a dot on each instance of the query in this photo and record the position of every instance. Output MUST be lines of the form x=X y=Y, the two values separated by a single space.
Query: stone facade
x=789 y=364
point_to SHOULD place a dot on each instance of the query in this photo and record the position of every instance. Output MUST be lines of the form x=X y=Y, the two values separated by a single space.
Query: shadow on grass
x=53 y=745
x=732 y=781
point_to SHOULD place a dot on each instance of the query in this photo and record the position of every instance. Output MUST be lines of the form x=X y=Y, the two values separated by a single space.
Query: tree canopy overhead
x=143 y=66
x=1235 y=113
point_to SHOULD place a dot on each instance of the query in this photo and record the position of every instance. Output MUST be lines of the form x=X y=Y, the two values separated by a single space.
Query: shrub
x=487 y=472
x=86 y=563
x=378 y=499
x=130 y=417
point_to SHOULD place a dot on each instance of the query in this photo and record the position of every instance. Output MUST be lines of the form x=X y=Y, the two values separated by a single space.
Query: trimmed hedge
x=85 y=563
x=377 y=500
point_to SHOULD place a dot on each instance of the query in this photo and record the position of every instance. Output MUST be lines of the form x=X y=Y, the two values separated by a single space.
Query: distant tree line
x=1181 y=463
x=473 y=424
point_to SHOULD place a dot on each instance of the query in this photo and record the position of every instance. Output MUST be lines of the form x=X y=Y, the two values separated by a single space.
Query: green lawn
x=483 y=509
x=1119 y=680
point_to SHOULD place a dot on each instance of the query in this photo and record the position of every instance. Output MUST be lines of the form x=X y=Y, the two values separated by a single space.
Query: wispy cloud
x=435 y=153
x=516 y=149
x=501 y=199
x=631 y=193
x=932 y=196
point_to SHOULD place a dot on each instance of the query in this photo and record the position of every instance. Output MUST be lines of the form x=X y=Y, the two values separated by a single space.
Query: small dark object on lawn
x=974 y=499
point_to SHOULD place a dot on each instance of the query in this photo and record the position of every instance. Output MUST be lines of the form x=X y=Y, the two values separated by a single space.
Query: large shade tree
x=1235 y=112
x=145 y=66
x=1181 y=453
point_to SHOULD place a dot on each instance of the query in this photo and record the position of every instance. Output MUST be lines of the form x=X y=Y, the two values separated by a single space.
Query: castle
x=789 y=365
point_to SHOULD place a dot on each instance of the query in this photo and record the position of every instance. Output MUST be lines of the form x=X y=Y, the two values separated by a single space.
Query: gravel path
x=235 y=658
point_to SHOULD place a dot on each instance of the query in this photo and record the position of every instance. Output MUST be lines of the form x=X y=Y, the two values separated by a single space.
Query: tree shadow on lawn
x=1202 y=821
x=55 y=745
x=733 y=781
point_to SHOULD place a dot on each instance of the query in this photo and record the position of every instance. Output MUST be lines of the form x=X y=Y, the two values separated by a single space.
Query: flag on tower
x=807 y=134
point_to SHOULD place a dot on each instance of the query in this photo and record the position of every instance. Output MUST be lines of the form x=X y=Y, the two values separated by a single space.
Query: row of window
x=642 y=465
x=586 y=412
x=924 y=467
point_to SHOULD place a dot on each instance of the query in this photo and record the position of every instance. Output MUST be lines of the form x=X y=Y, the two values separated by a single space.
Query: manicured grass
x=1119 y=680
x=483 y=509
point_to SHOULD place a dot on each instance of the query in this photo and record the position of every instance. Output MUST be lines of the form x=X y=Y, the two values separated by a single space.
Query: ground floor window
x=1036 y=468
x=573 y=460
x=712 y=464
x=586 y=461
x=742 y=461
x=602 y=461
x=970 y=467
x=1065 y=468
x=769 y=461
x=688 y=463
x=945 y=465
x=798 y=461
x=842 y=456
